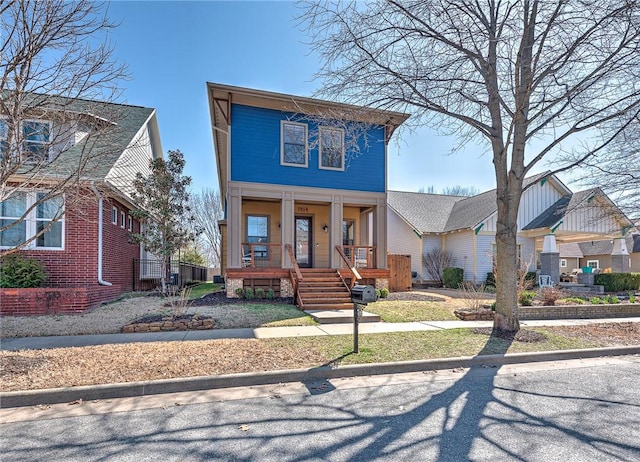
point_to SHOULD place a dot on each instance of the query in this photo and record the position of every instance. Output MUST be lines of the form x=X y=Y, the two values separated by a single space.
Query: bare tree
x=456 y=190
x=207 y=210
x=528 y=77
x=54 y=60
x=435 y=261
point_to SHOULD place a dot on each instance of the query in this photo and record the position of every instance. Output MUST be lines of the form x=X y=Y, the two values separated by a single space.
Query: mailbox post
x=360 y=296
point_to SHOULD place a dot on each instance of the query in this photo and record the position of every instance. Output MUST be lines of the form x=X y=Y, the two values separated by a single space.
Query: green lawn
x=279 y=315
x=409 y=346
x=204 y=289
x=408 y=311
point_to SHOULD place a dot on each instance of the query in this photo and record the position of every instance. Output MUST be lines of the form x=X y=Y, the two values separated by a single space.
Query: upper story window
x=114 y=215
x=122 y=219
x=129 y=223
x=331 y=148
x=293 y=140
x=44 y=220
x=35 y=140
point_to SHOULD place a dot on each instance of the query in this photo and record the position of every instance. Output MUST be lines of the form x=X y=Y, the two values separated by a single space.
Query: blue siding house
x=304 y=189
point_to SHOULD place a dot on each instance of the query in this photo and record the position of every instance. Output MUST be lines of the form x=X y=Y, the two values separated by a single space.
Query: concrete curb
x=153 y=387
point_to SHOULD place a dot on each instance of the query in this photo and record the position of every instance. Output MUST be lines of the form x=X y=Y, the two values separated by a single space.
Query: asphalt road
x=580 y=410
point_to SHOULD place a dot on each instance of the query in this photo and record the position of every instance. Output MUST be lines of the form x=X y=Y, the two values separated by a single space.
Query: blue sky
x=173 y=48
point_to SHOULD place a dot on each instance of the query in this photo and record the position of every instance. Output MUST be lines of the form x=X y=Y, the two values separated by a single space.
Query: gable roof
x=426 y=213
x=560 y=208
x=570 y=250
x=119 y=124
x=601 y=247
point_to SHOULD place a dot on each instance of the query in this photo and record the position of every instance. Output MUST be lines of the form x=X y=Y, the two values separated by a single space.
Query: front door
x=304 y=241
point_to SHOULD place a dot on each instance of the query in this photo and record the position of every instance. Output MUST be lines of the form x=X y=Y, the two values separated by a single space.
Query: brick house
x=88 y=254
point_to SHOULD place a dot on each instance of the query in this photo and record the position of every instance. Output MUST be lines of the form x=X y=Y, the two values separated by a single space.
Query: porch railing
x=261 y=255
x=361 y=256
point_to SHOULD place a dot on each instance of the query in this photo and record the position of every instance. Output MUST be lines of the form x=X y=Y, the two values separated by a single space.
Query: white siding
x=485 y=256
x=461 y=246
x=401 y=240
x=429 y=243
x=590 y=218
x=535 y=200
x=133 y=160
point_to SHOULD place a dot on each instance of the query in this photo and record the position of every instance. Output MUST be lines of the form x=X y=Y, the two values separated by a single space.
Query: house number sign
x=302 y=209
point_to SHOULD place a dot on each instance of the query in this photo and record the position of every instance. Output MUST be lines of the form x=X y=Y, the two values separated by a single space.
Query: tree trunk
x=506 y=316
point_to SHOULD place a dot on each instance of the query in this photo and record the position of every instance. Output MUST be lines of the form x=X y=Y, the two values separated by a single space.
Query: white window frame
x=122 y=220
x=563 y=263
x=114 y=215
x=597 y=262
x=330 y=129
x=45 y=143
x=31 y=223
x=306 y=145
x=130 y=223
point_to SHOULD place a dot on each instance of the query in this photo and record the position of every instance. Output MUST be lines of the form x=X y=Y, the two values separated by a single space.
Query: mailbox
x=363 y=294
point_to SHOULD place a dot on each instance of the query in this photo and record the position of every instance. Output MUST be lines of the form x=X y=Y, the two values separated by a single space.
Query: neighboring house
x=303 y=185
x=89 y=251
x=597 y=254
x=466 y=226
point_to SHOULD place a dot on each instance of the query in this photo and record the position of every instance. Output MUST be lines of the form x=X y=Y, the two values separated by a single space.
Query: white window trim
x=31 y=224
x=306 y=145
x=122 y=220
x=129 y=223
x=23 y=140
x=563 y=263
x=114 y=215
x=331 y=129
x=597 y=262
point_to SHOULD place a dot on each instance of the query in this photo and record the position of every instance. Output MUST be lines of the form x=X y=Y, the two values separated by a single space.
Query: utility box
x=363 y=294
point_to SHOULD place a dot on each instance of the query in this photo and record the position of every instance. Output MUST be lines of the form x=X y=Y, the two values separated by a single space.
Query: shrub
x=260 y=293
x=452 y=277
x=249 y=294
x=270 y=294
x=616 y=282
x=18 y=272
x=612 y=300
x=573 y=301
x=378 y=294
x=491 y=280
x=239 y=292
x=549 y=295
x=532 y=278
x=384 y=292
x=526 y=297
x=596 y=301
x=632 y=297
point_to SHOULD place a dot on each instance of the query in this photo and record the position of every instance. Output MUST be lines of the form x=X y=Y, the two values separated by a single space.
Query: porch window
x=258 y=231
x=593 y=264
x=563 y=263
x=331 y=148
x=348 y=232
x=293 y=150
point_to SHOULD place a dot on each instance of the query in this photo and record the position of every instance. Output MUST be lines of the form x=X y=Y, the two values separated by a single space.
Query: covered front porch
x=274 y=237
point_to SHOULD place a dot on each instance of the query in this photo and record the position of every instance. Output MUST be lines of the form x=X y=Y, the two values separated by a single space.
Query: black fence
x=147 y=274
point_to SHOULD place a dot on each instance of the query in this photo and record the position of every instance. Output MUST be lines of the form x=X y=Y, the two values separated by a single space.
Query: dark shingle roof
x=570 y=250
x=471 y=211
x=605 y=247
x=427 y=213
x=100 y=149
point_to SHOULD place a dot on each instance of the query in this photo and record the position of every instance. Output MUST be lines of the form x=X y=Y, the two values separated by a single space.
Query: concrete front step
x=340 y=316
x=329 y=306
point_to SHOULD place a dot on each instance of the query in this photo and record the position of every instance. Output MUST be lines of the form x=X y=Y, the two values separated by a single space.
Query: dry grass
x=65 y=367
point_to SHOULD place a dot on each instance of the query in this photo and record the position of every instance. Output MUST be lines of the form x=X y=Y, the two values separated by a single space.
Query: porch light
x=325 y=228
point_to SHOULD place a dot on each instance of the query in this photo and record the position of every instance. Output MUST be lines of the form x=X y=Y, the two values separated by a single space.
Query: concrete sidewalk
x=65 y=341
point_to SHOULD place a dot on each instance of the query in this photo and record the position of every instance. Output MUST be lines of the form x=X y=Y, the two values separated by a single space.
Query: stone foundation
x=286 y=289
x=232 y=285
x=382 y=283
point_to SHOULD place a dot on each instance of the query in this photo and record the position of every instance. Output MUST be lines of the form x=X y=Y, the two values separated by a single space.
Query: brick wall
x=76 y=266
x=579 y=311
x=48 y=300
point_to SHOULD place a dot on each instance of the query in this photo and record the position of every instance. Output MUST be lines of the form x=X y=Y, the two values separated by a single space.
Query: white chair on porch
x=246 y=256
x=544 y=280
x=360 y=258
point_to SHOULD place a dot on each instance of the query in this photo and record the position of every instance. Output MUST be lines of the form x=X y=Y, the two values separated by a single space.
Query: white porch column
x=620 y=256
x=380 y=233
x=335 y=231
x=287 y=225
x=234 y=229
